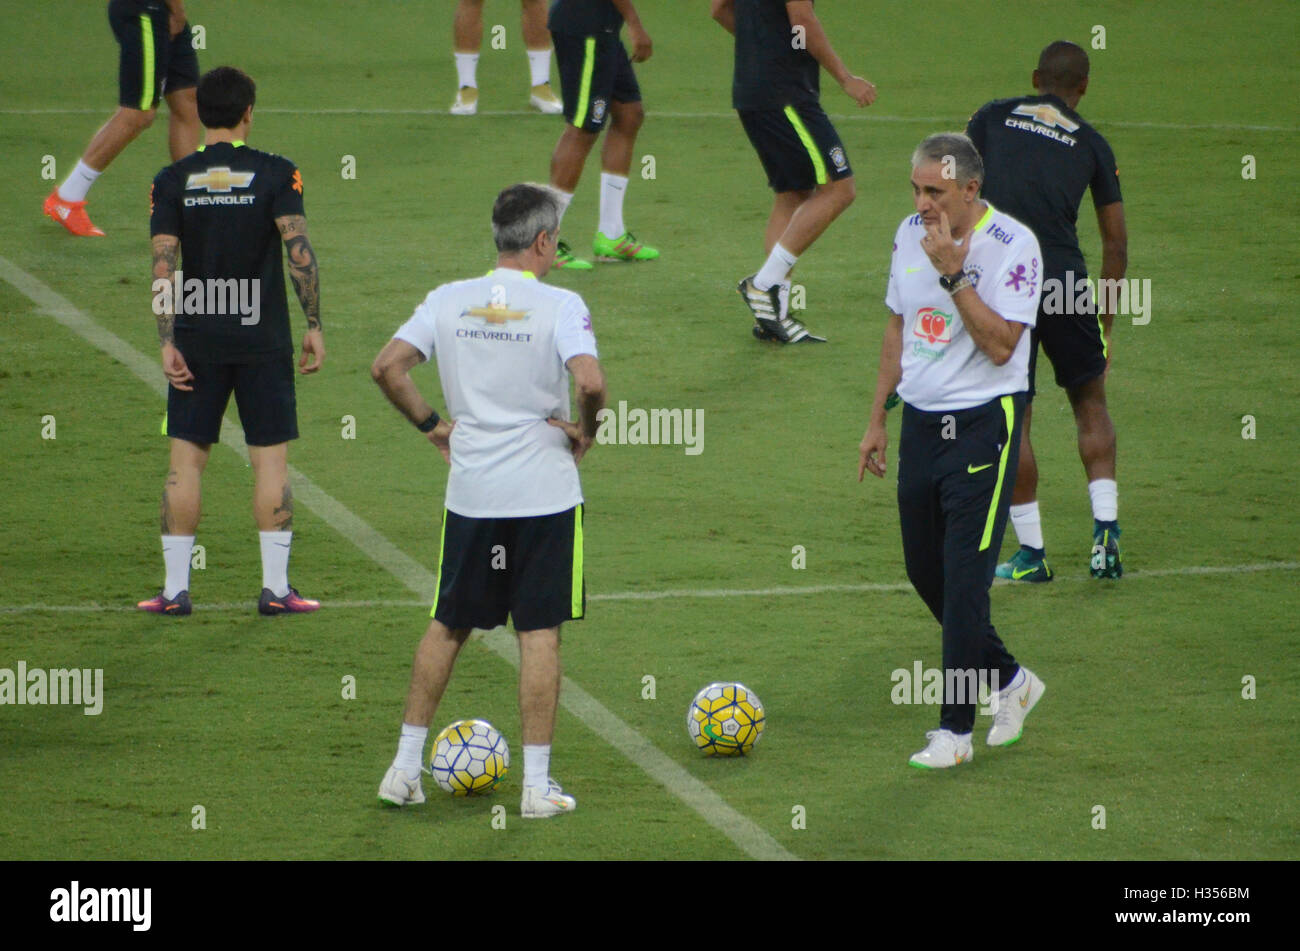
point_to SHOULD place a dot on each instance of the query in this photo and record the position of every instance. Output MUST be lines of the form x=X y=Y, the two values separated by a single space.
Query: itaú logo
x=933 y=325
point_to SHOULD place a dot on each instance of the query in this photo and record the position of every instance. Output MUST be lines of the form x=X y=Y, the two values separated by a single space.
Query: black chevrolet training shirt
x=222 y=202
x=770 y=72
x=584 y=17
x=1039 y=158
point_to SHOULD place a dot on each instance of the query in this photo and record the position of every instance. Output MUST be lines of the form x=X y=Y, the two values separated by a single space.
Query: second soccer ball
x=725 y=719
x=469 y=758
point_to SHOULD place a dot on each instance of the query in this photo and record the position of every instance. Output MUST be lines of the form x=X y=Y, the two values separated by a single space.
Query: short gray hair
x=522 y=212
x=955 y=148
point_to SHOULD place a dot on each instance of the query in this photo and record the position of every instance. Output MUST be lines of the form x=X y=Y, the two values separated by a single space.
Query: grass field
x=245 y=716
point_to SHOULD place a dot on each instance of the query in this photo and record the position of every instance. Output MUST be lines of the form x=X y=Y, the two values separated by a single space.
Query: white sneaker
x=946 y=749
x=1011 y=706
x=466 y=103
x=543 y=99
x=399 y=789
x=537 y=804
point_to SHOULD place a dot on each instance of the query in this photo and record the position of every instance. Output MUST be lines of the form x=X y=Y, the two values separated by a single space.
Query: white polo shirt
x=943 y=369
x=502 y=342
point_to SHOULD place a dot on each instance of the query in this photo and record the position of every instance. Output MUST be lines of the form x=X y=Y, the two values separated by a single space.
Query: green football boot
x=564 y=258
x=1105 y=561
x=1027 y=564
x=626 y=248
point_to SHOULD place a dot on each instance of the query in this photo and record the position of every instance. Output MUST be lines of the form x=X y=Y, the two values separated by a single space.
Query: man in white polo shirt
x=964 y=285
x=506 y=345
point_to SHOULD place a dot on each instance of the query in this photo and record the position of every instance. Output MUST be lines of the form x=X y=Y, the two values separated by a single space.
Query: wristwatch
x=953 y=282
x=429 y=424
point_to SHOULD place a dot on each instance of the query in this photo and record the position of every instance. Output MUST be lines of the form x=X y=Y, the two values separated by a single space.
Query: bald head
x=1062 y=68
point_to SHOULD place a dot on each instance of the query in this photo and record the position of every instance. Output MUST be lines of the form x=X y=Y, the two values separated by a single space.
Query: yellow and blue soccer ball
x=469 y=758
x=725 y=719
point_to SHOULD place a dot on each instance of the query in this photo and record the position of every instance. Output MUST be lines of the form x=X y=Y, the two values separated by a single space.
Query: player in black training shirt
x=223 y=323
x=598 y=87
x=156 y=60
x=780 y=50
x=1039 y=158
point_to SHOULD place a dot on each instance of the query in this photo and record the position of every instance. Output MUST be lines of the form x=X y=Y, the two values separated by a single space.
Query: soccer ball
x=725 y=719
x=469 y=758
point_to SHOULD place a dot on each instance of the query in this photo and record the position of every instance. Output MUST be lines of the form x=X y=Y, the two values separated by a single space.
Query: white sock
x=565 y=199
x=539 y=66
x=466 y=69
x=776 y=269
x=410 y=749
x=612 y=190
x=77 y=185
x=1028 y=524
x=275 y=561
x=537 y=766
x=1105 y=499
x=176 y=556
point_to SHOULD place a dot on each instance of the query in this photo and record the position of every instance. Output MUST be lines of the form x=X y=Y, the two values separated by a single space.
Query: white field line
x=744 y=833
x=674 y=594
x=656 y=114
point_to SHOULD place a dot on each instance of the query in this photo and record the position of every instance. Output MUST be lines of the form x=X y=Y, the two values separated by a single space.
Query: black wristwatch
x=949 y=282
x=429 y=424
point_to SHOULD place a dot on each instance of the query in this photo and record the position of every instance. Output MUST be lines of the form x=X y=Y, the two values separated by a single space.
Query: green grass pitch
x=246 y=716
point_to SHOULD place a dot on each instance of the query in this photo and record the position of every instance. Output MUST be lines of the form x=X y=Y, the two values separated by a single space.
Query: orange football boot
x=72 y=215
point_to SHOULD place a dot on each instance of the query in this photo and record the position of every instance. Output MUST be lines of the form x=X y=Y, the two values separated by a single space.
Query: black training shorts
x=152 y=63
x=798 y=146
x=528 y=568
x=594 y=72
x=263 y=391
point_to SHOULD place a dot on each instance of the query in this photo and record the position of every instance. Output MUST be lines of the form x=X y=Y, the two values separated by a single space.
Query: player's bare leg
x=1095 y=430
x=116 y=134
x=67 y=203
x=273 y=511
x=570 y=156
x=537 y=44
x=532 y=22
x=625 y=121
x=177 y=522
x=467 y=38
x=1026 y=488
x=783 y=208
x=183 y=127
x=182 y=492
x=815 y=215
x=431 y=670
x=539 y=698
x=614 y=241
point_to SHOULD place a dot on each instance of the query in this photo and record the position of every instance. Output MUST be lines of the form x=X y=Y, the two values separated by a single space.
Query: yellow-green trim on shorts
x=577 y=605
x=584 y=88
x=1009 y=410
x=819 y=165
x=146 y=41
x=442 y=542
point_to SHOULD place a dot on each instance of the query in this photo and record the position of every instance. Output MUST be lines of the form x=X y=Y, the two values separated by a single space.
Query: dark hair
x=1062 y=66
x=224 y=95
x=521 y=212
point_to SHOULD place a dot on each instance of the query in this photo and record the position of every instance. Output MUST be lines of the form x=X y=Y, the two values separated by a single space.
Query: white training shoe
x=945 y=749
x=399 y=789
x=1012 y=705
x=466 y=103
x=538 y=804
x=543 y=99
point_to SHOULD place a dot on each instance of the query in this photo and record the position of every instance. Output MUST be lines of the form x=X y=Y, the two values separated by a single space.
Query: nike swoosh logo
x=911 y=270
x=1020 y=574
x=1024 y=701
x=714 y=735
x=973 y=469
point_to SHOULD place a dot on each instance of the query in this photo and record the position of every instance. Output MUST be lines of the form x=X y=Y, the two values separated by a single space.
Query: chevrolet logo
x=1045 y=114
x=495 y=315
x=219 y=179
